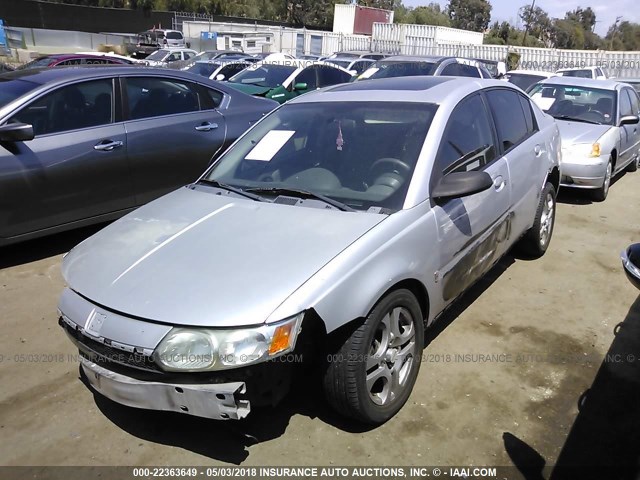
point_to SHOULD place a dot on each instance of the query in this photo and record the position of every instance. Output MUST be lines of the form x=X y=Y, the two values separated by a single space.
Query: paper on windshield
x=270 y=144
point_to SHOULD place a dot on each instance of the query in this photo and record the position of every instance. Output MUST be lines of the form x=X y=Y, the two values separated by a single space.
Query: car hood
x=196 y=258
x=580 y=132
x=250 y=89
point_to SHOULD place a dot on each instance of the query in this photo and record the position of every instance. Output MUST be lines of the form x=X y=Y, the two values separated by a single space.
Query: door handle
x=498 y=183
x=108 y=145
x=206 y=127
x=537 y=150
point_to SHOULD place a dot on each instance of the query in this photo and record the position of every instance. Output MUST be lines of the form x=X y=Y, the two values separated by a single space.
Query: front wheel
x=372 y=374
x=601 y=193
x=536 y=241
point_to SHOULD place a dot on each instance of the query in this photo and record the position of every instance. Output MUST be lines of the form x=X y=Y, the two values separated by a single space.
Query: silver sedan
x=598 y=122
x=337 y=229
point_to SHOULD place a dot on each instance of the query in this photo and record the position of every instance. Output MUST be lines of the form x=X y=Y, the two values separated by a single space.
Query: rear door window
x=153 y=97
x=510 y=121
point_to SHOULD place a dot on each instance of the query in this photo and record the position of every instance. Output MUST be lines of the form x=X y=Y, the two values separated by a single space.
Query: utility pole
x=526 y=28
x=615 y=30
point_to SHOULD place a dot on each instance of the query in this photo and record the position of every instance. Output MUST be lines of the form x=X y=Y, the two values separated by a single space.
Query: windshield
x=524 y=80
x=340 y=63
x=568 y=102
x=37 y=63
x=577 y=73
x=386 y=69
x=359 y=153
x=204 y=68
x=158 y=55
x=11 y=89
x=267 y=75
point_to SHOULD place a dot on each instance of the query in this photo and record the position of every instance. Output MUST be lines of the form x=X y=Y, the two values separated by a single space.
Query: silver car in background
x=339 y=228
x=598 y=121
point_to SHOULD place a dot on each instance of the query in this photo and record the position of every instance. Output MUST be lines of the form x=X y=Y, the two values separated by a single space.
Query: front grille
x=100 y=352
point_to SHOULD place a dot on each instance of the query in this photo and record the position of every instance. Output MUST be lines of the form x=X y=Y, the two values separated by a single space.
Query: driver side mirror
x=220 y=77
x=631 y=263
x=300 y=86
x=629 y=120
x=461 y=184
x=16 y=132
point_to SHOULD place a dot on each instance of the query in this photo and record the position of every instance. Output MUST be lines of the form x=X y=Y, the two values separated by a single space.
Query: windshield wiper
x=576 y=119
x=302 y=193
x=239 y=191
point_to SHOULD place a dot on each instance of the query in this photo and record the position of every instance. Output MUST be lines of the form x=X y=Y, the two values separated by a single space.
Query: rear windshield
x=10 y=90
x=523 y=80
x=577 y=73
x=174 y=35
x=384 y=69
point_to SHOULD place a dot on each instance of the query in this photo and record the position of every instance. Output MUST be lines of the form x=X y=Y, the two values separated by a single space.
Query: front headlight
x=595 y=150
x=585 y=150
x=201 y=349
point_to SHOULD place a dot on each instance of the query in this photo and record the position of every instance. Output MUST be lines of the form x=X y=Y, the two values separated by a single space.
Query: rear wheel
x=372 y=374
x=633 y=166
x=601 y=193
x=536 y=241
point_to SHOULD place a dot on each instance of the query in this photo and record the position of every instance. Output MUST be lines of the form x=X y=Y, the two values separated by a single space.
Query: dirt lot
x=502 y=378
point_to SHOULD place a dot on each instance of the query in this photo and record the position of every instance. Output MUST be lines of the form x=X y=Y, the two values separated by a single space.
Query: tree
x=537 y=24
x=506 y=34
x=431 y=14
x=586 y=18
x=625 y=36
x=469 y=14
x=568 y=34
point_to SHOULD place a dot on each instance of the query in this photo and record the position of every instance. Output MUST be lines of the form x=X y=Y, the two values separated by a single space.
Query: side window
x=188 y=55
x=154 y=97
x=528 y=114
x=468 y=71
x=83 y=105
x=451 y=70
x=175 y=56
x=510 y=122
x=332 y=76
x=467 y=143
x=308 y=76
x=215 y=96
x=625 y=104
x=635 y=103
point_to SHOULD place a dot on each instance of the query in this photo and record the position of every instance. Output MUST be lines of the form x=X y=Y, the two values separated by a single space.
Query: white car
x=595 y=73
x=525 y=79
x=598 y=121
x=164 y=56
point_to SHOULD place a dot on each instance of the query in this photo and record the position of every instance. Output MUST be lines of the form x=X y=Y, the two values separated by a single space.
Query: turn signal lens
x=595 y=150
x=281 y=338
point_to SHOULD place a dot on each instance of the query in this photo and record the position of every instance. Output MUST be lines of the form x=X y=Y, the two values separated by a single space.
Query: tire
x=633 y=166
x=600 y=195
x=535 y=242
x=369 y=352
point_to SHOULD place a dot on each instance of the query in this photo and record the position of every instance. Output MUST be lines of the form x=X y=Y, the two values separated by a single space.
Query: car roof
x=422 y=89
x=415 y=58
x=43 y=76
x=582 y=82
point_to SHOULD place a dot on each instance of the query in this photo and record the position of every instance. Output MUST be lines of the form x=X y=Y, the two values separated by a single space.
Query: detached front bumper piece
x=216 y=401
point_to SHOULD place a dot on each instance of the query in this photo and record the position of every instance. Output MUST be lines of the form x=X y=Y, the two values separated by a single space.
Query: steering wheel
x=399 y=166
x=597 y=113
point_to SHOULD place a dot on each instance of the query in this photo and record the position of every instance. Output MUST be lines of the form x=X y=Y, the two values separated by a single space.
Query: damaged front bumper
x=218 y=401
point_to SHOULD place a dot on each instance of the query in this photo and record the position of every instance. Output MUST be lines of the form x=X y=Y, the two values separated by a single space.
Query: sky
x=606 y=10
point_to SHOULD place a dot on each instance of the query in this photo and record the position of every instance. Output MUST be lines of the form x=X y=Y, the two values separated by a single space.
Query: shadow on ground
x=34 y=250
x=604 y=441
